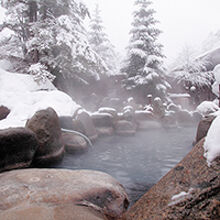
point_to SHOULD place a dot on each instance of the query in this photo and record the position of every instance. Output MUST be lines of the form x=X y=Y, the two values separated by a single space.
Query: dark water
x=137 y=162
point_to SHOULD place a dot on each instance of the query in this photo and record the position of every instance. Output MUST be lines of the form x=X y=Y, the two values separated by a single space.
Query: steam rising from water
x=136 y=162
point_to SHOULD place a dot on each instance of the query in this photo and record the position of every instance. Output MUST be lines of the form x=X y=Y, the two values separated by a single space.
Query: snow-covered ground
x=212 y=142
x=23 y=96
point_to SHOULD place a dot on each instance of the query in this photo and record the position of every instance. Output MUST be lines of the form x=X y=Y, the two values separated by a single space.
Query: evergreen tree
x=100 y=43
x=144 y=60
x=51 y=38
x=192 y=76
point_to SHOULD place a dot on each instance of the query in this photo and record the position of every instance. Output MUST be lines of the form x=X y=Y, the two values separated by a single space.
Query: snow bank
x=23 y=96
x=212 y=142
x=207 y=107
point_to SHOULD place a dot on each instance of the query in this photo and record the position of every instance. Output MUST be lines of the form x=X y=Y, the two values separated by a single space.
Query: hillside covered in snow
x=24 y=96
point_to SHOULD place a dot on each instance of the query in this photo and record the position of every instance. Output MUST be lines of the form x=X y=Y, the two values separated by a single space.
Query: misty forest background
x=49 y=40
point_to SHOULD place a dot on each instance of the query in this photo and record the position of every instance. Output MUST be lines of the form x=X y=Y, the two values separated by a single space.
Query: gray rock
x=45 y=124
x=17 y=148
x=124 y=127
x=105 y=131
x=111 y=111
x=203 y=127
x=143 y=115
x=184 y=117
x=74 y=144
x=50 y=194
x=102 y=119
x=4 y=112
x=89 y=129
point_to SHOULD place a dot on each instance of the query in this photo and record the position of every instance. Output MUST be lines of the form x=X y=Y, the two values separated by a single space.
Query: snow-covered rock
x=111 y=111
x=212 y=142
x=23 y=96
x=207 y=107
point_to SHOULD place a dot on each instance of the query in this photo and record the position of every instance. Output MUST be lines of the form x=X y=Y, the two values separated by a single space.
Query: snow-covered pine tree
x=51 y=38
x=145 y=59
x=190 y=74
x=100 y=43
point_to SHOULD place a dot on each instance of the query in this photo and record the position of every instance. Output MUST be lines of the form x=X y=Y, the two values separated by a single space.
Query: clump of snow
x=106 y=109
x=23 y=96
x=207 y=107
x=212 y=142
x=130 y=99
x=180 y=196
x=128 y=108
x=192 y=88
x=148 y=108
x=179 y=95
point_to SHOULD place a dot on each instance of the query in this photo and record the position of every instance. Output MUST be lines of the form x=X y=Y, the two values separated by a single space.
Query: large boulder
x=203 y=127
x=124 y=127
x=169 y=120
x=4 y=112
x=128 y=113
x=102 y=119
x=111 y=111
x=149 y=125
x=50 y=194
x=17 y=148
x=191 y=190
x=146 y=120
x=184 y=117
x=104 y=123
x=45 y=124
x=88 y=127
x=143 y=115
x=74 y=144
x=105 y=131
x=69 y=123
x=197 y=117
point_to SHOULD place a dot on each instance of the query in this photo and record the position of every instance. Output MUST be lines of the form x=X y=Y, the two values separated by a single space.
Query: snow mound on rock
x=24 y=96
x=207 y=107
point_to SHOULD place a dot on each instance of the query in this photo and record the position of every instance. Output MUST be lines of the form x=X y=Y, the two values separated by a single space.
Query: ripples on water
x=137 y=162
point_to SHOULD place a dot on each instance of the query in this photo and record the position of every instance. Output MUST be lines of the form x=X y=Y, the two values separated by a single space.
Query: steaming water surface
x=137 y=162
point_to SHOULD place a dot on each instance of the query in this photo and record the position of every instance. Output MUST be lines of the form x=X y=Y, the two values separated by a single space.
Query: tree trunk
x=32 y=11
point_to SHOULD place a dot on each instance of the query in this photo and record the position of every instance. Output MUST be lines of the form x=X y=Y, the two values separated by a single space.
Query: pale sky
x=183 y=22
